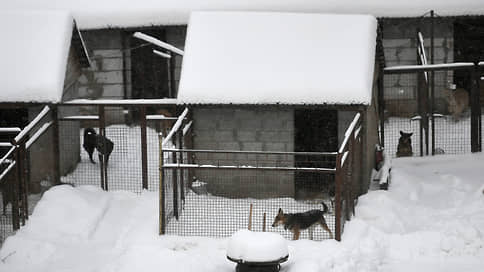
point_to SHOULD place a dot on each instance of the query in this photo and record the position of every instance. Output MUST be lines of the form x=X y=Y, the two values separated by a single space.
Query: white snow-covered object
x=249 y=246
x=34 y=52
x=278 y=58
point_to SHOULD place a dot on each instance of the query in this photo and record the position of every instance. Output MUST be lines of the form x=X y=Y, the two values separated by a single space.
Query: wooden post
x=338 y=185
x=475 y=111
x=179 y=137
x=102 y=132
x=249 y=225
x=173 y=90
x=381 y=88
x=144 y=149
x=55 y=144
x=175 y=186
x=264 y=223
x=161 y=187
x=24 y=183
x=15 y=192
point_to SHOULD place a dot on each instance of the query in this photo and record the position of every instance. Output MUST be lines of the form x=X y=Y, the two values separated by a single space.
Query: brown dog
x=404 y=148
x=296 y=222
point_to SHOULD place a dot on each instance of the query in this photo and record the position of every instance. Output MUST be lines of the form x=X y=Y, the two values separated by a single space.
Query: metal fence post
x=144 y=153
x=338 y=199
x=102 y=132
x=161 y=188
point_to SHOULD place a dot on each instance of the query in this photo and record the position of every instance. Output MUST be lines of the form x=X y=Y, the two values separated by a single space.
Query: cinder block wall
x=110 y=75
x=400 y=46
x=248 y=129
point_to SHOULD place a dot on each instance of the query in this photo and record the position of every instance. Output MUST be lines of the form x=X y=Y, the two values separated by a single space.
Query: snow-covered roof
x=34 y=53
x=278 y=58
x=128 y=13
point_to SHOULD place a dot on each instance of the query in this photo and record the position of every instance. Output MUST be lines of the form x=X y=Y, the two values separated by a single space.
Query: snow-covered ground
x=431 y=219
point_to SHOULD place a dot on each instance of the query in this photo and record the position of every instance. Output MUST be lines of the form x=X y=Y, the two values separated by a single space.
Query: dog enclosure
x=439 y=103
x=49 y=151
x=195 y=198
x=216 y=192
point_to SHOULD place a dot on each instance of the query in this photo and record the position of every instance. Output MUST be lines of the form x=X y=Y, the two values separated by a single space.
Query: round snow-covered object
x=249 y=246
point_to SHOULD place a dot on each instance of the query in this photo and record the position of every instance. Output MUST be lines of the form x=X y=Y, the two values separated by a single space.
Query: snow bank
x=34 y=51
x=250 y=58
x=430 y=219
x=249 y=246
x=126 y=13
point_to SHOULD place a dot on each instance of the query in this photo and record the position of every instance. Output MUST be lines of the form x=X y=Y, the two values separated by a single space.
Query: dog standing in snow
x=404 y=148
x=296 y=222
x=92 y=141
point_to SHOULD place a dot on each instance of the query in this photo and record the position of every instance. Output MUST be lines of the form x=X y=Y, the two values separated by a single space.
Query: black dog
x=404 y=147
x=92 y=141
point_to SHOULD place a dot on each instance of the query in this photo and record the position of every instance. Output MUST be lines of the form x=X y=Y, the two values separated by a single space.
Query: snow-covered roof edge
x=94 y=14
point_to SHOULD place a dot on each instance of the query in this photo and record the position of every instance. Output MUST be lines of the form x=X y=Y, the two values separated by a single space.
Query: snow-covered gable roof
x=34 y=54
x=128 y=13
x=278 y=58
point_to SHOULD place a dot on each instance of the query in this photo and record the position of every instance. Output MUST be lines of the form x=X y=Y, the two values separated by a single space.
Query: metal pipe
x=226 y=167
x=144 y=149
x=248 y=152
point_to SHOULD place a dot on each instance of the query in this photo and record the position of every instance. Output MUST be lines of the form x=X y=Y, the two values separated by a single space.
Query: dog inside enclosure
x=297 y=222
x=457 y=102
x=103 y=145
x=404 y=148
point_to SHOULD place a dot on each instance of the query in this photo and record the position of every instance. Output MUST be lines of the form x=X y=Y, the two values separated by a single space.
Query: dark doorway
x=468 y=47
x=315 y=130
x=149 y=72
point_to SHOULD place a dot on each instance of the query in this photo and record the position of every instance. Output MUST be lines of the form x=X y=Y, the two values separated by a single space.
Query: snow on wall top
x=33 y=53
x=127 y=13
x=278 y=58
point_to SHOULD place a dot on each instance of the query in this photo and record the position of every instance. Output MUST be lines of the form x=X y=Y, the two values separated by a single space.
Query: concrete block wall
x=110 y=75
x=400 y=43
x=248 y=129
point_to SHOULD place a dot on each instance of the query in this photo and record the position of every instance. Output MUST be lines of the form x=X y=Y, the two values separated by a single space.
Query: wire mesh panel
x=6 y=194
x=408 y=109
x=453 y=115
x=401 y=111
x=78 y=157
x=222 y=190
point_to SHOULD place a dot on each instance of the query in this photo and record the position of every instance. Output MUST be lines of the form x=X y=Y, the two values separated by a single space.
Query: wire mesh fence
x=219 y=188
x=216 y=192
x=131 y=138
x=440 y=121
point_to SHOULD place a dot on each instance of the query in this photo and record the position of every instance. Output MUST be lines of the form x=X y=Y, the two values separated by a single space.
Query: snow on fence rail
x=32 y=124
x=175 y=127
